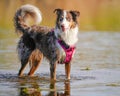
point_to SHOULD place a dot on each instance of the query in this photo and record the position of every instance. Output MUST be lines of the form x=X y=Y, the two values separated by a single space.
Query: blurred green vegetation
x=102 y=15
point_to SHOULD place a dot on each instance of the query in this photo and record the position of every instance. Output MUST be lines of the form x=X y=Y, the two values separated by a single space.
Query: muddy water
x=95 y=69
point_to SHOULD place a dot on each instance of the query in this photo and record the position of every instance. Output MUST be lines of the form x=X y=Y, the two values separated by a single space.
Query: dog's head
x=66 y=19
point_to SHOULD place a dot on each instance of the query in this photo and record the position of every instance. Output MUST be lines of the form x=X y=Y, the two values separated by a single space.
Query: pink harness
x=69 y=50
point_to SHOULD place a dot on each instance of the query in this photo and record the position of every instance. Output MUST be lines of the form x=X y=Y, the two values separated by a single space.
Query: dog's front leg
x=67 y=70
x=53 y=71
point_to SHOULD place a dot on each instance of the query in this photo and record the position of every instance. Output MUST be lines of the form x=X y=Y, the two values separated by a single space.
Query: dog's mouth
x=64 y=28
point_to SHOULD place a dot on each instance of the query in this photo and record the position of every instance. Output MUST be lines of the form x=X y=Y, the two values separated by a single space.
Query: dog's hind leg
x=35 y=65
x=24 y=58
x=35 y=60
x=23 y=65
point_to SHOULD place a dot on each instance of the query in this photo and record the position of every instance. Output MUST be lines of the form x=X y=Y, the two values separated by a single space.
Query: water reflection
x=57 y=93
x=33 y=89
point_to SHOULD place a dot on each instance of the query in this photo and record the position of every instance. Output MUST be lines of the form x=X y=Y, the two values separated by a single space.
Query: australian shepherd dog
x=56 y=44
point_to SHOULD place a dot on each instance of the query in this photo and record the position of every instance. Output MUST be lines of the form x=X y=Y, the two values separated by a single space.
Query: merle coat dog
x=56 y=44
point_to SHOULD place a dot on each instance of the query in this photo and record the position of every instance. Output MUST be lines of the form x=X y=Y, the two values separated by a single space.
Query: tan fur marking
x=35 y=60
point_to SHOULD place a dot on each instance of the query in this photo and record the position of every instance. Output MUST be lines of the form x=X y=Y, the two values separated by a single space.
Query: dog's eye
x=61 y=19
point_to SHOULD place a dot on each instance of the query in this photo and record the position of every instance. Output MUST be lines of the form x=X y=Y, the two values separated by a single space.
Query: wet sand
x=95 y=69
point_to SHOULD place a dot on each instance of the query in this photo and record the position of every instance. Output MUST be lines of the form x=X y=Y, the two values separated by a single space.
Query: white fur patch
x=32 y=9
x=65 y=22
x=69 y=36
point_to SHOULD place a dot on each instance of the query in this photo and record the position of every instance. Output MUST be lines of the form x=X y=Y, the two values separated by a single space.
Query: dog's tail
x=23 y=15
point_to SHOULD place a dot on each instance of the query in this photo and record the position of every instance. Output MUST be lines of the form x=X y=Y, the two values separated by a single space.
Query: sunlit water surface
x=95 y=69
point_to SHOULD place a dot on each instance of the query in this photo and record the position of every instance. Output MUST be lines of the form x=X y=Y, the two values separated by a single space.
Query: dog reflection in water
x=55 y=93
x=36 y=91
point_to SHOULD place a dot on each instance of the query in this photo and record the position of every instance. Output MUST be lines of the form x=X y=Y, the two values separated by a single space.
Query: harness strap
x=69 y=50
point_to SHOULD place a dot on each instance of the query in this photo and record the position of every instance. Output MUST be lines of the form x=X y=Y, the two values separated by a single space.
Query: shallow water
x=95 y=69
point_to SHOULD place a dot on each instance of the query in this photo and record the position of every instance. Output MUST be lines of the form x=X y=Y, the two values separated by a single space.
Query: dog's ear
x=58 y=11
x=75 y=13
